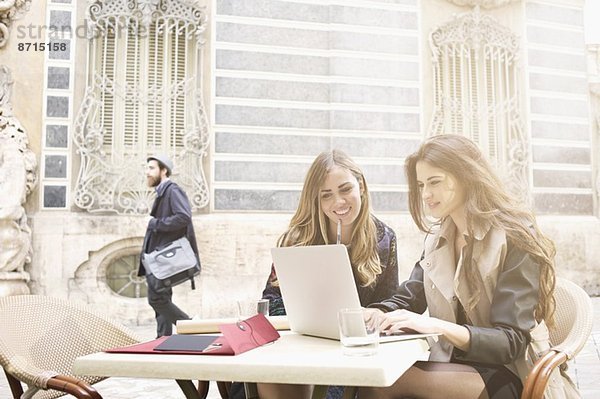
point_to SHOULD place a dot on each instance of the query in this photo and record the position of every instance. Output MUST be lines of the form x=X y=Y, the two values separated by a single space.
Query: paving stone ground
x=585 y=371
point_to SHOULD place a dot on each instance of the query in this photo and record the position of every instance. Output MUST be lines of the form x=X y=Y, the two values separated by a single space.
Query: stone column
x=18 y=176
x=594 y=81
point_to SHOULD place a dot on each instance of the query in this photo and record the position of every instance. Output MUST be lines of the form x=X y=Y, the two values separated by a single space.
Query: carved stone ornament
x=474 y=30
x=477 y=90
x=9 y=11
x=18 y=177
x=483 y=3
x=138 y=15
x=149 y=103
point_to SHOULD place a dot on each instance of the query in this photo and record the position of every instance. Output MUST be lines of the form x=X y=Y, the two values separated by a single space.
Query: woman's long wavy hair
x=309 y=224
x=486 y=200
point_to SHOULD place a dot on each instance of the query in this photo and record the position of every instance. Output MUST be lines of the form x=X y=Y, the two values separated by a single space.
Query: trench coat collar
x=447 y=231
x=439 y=262
x=481 y=229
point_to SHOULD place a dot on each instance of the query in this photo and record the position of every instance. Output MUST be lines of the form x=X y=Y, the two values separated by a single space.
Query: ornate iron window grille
x=143 y=96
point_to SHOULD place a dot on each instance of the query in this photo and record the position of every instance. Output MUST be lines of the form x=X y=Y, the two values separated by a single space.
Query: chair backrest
x=573 y=318
x=43 y=334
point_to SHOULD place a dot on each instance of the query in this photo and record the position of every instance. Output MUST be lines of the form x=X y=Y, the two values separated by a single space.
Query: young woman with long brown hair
x=486 y=277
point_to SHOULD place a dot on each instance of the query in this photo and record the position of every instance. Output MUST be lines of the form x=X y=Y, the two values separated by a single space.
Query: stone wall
x=234 y=250
x=559 y=108
x=292 y=79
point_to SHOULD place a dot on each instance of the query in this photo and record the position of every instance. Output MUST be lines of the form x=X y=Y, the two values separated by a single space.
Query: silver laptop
x=316 y=282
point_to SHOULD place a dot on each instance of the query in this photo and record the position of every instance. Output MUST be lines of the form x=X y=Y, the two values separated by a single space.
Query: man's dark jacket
x=172 y=220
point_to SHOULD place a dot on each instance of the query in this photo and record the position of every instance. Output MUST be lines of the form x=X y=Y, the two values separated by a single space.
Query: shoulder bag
x=171 y=265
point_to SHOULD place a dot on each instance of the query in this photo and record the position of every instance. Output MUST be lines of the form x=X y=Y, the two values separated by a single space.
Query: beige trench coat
x=445 y=285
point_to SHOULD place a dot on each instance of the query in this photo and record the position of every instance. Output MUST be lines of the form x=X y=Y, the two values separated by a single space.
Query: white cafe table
x=292 y=359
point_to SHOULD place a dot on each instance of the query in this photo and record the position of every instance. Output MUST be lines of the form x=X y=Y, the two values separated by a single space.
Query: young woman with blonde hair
x=486 y=277
x=335 y=190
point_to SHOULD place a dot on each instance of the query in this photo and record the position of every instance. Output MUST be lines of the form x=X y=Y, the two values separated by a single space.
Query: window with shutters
x=477 y=92
x=144 y=96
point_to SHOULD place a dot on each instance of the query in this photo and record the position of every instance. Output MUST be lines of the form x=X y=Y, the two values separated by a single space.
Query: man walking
x=171 y=219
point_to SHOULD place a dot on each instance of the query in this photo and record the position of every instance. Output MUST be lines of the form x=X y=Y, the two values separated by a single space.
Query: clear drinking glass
x=357 y=337
x=251 y=307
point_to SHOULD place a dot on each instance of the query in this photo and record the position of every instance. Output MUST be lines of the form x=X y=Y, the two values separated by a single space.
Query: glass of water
x=357 y=337
x=250 y=307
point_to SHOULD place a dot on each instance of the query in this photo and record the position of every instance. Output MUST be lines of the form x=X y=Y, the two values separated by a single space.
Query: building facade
x=245 y=93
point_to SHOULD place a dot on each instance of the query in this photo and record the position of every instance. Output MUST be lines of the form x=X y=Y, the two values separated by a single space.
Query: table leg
x=189 y=389
x=350 y=392
x=320 y=392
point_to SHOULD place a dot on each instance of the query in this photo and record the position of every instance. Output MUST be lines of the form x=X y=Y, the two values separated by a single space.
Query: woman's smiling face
x=441 y=192
x=340 y=196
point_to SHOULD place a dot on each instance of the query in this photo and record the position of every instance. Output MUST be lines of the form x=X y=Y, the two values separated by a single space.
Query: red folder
x=249 y=334
x=237 y=338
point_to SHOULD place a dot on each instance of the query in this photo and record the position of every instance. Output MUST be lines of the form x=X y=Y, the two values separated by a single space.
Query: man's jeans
x=166 y=312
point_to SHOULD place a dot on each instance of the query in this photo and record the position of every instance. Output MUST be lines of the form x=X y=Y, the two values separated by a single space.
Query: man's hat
x=164 y=159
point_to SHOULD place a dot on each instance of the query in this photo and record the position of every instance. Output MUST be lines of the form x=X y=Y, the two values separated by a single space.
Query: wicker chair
x=41 y=337
x=573 y=325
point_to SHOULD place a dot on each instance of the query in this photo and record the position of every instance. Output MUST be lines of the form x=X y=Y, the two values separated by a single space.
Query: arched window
x=121 y=276
x=143 y=96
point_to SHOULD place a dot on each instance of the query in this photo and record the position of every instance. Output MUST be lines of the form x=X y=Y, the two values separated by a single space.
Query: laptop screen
x=316 y=282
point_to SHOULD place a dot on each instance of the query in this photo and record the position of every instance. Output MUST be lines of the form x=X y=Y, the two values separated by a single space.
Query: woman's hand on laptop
x=373 y=316
x=407 y=321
